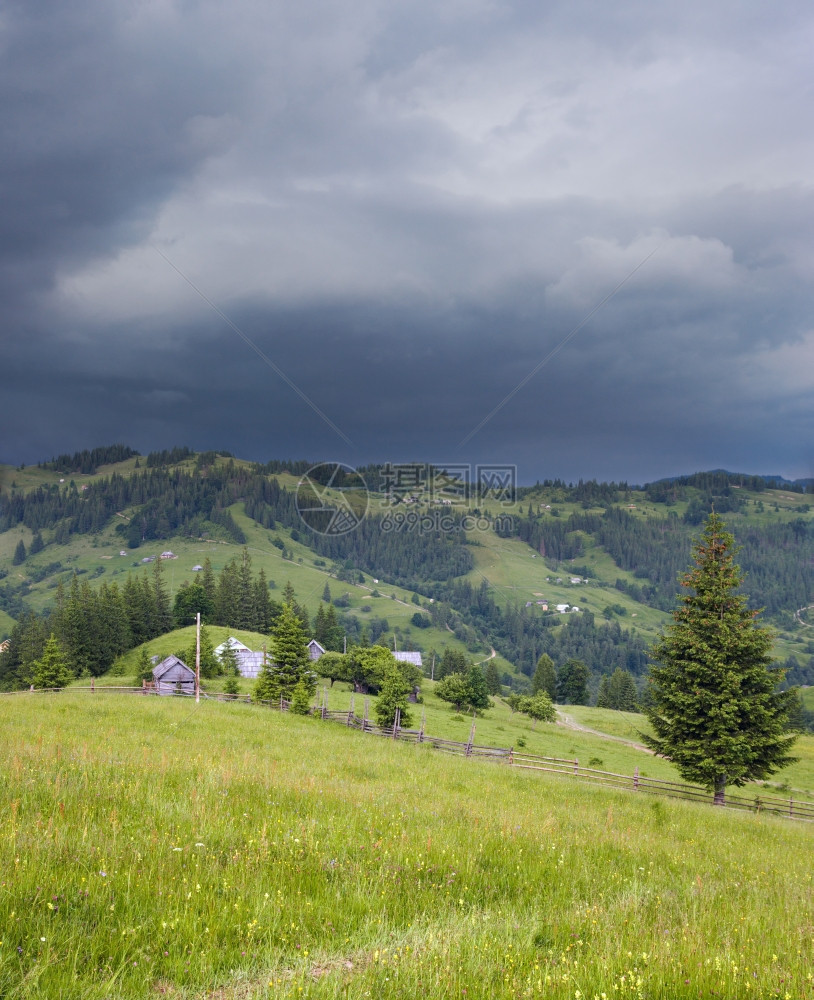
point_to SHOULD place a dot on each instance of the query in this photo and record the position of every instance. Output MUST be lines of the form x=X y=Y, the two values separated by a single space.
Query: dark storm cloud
x=407 y=206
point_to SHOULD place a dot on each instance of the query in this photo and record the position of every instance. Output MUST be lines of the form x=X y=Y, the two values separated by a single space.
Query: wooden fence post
x=791 y=807
x=576 y=766
x=423 y=722
x=396 y=720
x=636 y=779
x=92 y=688
x=471 y=741
x=352 y=709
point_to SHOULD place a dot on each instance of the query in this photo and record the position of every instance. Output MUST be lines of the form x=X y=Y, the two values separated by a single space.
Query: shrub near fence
x=790 y=808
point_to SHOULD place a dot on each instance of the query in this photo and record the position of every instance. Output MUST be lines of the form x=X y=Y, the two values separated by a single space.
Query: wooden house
x=249 y=664
x=173 y=676
x=315 y=650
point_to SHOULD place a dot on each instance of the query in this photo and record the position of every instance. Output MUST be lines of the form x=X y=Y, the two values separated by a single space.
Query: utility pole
x=197 y=657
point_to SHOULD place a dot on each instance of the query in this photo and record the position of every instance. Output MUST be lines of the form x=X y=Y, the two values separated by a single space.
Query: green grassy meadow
x=151 y=847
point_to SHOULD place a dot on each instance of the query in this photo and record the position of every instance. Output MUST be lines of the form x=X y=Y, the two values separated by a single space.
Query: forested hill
x=490 y=573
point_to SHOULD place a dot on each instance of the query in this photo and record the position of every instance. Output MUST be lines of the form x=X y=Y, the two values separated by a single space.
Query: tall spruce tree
x=492 y=676
x=572 y=683
x=52 y=669
x=289 y=652
x=545 y=677
x=163 y=608
x=716 y=712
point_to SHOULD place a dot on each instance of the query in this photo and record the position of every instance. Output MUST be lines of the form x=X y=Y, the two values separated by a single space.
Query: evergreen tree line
x=169 y=456
x=95 y=626
x=713 y=485
x=169 y=501
x=409 y=559
x=92 y=626
x=87 y=461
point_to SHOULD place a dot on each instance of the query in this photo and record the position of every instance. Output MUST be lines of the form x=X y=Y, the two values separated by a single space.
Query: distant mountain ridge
x=770 y=480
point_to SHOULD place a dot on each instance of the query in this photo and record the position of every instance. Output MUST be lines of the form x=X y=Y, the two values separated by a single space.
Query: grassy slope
x=149 y=847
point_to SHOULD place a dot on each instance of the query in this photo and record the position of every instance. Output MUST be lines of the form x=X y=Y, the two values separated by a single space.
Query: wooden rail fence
x=791 y=808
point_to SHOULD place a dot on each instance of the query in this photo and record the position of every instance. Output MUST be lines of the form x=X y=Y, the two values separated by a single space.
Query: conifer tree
x=289 y=652
x=163 y=609
x=228 y=661
x=211 y=666
x=19 y=554
x=115 y=636
x=572 y=683
x=301 y=699
x=144 y=667
x=320 y=626
x=227 y=603
x=266 y=687
x=265 y=611
x=52 y=670
x=334 y=634
x=493 y=685
x=453 y=661
x=191 y=599
x=716 y=712
x=603 y=697
x=545 y=677
x=208 y=582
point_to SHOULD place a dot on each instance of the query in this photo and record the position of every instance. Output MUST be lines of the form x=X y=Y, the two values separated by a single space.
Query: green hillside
x=151 y=847
x=480 y=589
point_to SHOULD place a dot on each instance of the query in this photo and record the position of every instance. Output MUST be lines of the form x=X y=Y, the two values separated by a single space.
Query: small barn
x=173 y=676
x=249 y=664
x=315 y=650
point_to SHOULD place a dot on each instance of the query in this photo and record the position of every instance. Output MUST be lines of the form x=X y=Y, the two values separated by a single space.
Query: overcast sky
x=406 y=206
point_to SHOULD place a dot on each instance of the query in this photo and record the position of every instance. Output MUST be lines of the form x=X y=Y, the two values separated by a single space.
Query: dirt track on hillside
x=568 y=722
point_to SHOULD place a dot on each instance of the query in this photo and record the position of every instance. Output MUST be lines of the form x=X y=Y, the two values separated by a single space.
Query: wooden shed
x=173 y=676
x=315 y=650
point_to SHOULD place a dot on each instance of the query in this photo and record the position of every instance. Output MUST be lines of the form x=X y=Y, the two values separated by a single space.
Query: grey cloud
x=408 y=206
